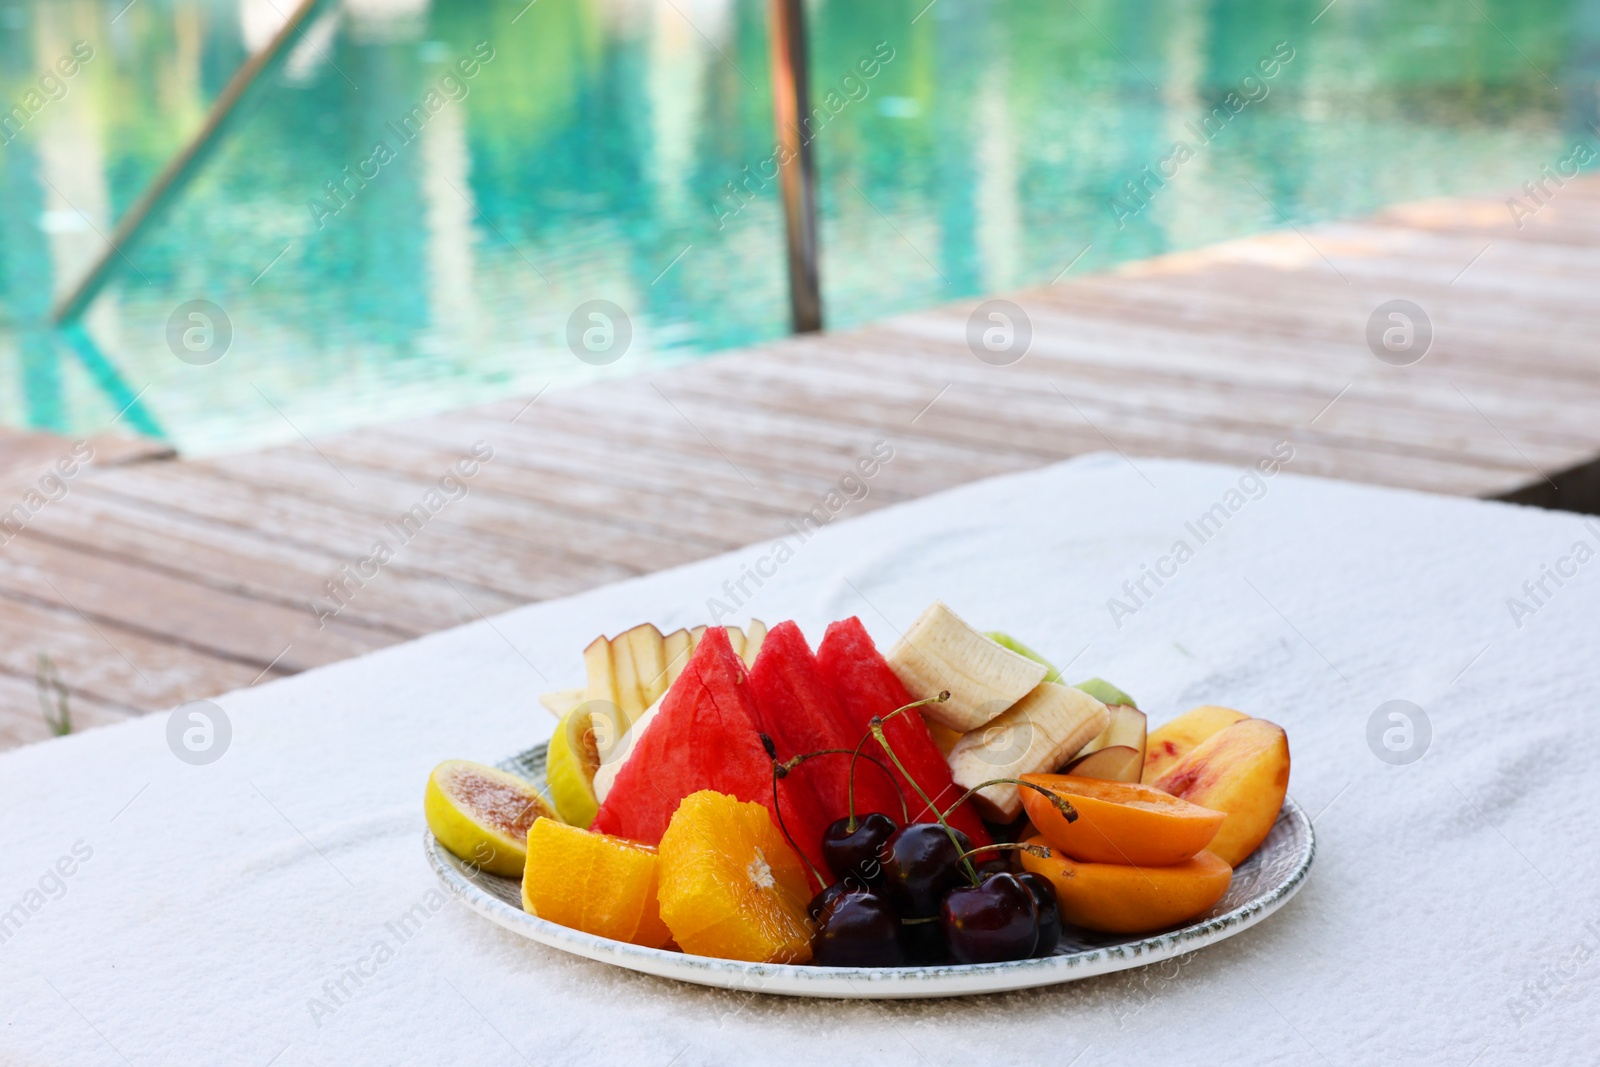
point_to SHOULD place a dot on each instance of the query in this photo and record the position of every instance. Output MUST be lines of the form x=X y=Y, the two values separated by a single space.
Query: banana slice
x=1034 y=735
x=941 y=651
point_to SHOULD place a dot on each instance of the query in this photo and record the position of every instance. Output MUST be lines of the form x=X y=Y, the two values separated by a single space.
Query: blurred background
x=615 y=149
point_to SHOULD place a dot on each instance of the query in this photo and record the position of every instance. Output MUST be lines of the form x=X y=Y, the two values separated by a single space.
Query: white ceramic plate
x=1261 y=885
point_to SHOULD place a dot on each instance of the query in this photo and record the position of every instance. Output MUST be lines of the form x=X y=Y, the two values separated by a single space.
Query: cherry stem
x=1032 y=850
x=853 y=753
x=1067 y=811
x=905 y=814
x=780 y=771
x=876 y=726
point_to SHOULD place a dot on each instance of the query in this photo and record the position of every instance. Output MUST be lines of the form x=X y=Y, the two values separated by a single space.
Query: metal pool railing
x=791 y=105
x=791 y=108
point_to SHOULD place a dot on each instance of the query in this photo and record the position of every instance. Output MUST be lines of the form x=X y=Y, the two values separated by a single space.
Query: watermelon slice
x=703 y=737
x=797 y=709
x=865 y=686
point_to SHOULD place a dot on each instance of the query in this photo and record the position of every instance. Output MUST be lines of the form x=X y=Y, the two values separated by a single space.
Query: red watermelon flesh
x=797 y=709
x=865 y=685
x=704 y=737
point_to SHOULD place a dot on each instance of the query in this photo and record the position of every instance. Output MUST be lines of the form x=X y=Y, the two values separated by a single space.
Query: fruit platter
x=728 y=807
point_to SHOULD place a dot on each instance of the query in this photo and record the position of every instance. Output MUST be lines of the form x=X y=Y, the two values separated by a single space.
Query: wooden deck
x=153 y=581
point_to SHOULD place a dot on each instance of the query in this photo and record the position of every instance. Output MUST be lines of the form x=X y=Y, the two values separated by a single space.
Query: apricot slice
x=1170 y=742
x=1115 y=898
x=482 y=814
x=1243 y=770
x=1119 y=822
x=730 y=885
x=592 y=882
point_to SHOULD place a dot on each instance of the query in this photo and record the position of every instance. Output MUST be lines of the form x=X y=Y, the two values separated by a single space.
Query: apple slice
x=561 y=701
x=1106 y=693
x=754 y=634
x=1127 y=728
x=1005 y=640
x=676 y=647
x=648 y=651
x=630 y=673
x=630 y=686
x=600 y=671
x=1035 y=733
x=1114 y=763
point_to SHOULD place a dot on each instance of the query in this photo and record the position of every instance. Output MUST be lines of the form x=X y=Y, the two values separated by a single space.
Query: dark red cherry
x=856 y=855
x=1044 y=898
x=992 y=922
x=923 y=940
x=825 y=900
x=998 y=863
x=859 y=930
x=920 y=865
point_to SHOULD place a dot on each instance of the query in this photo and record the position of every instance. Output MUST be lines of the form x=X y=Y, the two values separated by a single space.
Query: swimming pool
x=405 y=215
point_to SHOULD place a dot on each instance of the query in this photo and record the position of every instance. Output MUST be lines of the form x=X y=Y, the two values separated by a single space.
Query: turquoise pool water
x=388 y=234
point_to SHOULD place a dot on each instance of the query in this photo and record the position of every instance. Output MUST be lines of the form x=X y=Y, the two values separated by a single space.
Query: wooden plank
x=519 y=516
x=26 y=455
x=221 y=624
x=574 y=442
x=481 y=560
x=107 y=663
x=1370 y=416
x=22 y=720
x=529 y=474
x=223 y=557
x=191 y=575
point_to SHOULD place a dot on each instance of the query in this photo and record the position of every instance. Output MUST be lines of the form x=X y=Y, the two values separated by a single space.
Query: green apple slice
x=1005 y=640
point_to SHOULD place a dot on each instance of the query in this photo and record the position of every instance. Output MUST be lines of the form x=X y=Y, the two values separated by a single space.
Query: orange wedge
x=1120 y=822
x=730 y=885
x=592 y=882
x=1115 y=898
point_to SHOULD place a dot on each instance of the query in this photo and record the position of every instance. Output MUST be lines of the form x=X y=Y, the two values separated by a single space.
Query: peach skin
x=1115 y=898
x=1170 y=742
x=1119 y=822
x=1242 y=770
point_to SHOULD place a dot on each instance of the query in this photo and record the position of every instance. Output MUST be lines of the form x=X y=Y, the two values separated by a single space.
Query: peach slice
x=1243 y=770
x=1119 y=822
x=1169 y=743
x=1115 y=898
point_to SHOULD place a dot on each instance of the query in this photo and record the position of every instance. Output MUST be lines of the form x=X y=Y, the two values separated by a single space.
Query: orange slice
x=731 y=887
x=1120 y=822
x=599 y=884
x=1115 y=898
